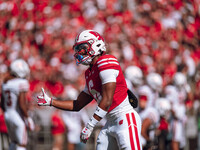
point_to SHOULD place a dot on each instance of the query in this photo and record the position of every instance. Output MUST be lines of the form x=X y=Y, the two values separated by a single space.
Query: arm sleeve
x=108 y=75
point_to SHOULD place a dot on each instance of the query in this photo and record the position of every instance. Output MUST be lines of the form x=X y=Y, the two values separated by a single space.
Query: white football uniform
x=177 y=98
x=152 y=114
x=13 y=117
x=151 y=96
x=171 y=94
x=177 y=95
x=182 y=93
x=178 y=132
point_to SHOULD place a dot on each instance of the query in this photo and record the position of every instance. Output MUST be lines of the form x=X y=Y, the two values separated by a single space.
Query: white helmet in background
x=19 y=68
x=163 y=106
x=88 y=44
x=180 y=79
x=155 y=81
x=134 y=74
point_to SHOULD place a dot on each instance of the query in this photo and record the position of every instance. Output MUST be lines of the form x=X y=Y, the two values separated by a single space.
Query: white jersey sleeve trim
x=107 y=63
x=106 y=59
x=108 y=75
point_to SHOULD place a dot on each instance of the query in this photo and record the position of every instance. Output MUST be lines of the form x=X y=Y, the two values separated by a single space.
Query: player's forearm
x=145 y=126
x=103 y=106
x=63 y=104
x=145 y=135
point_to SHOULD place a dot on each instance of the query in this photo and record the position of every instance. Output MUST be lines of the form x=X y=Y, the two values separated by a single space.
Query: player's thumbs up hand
x=44 y=99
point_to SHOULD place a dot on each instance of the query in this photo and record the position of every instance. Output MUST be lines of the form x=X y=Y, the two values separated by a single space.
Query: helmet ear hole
x=91 y=52
x=100 y=52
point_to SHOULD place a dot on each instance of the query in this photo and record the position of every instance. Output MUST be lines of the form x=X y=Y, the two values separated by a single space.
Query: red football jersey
x=94 y=84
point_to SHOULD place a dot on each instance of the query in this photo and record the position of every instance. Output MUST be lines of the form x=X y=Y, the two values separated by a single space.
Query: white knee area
x=102 y=141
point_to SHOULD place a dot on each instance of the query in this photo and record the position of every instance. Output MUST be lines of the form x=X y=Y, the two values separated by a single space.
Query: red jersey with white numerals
x=94 y=84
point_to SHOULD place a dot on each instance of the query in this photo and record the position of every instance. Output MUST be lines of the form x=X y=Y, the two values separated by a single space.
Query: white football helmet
x=88 y=44
x=155 y=81
x=163 y=106
x=134 y=74
x=19 y=68
x=180 y=79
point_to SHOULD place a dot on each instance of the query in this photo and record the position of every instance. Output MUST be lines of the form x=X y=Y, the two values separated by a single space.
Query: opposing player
x=106 y=84
x=152 y=89
x=150 y=119
x=177 y=127
x=163 y=107
x=134 y=80
x=14 y=102
x=178 y=93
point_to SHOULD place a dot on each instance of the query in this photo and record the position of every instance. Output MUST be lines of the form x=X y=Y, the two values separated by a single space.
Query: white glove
x=44 y=99
x=29 y=123
x=86 y=132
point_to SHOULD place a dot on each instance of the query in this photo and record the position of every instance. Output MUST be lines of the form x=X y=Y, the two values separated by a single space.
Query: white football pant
x=123 y=132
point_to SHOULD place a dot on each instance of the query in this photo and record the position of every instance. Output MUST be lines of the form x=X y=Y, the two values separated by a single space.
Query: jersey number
x=9 y=101
x=95 y=94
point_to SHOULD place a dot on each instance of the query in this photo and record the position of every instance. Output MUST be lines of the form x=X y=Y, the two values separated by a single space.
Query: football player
x=178 y=93
x=150 y=118
x=106 y=84
x=151 y=91
x=148 y=94
x=163 y=135
x=177 y=127
x=14 y=104
x=134 y=80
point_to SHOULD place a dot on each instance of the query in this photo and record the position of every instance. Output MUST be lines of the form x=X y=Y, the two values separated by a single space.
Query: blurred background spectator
x=74 y=121
x=161 y=36
x=57 y=130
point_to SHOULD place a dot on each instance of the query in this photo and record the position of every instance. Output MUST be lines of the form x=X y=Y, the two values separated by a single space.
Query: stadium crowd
x=161 y=36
